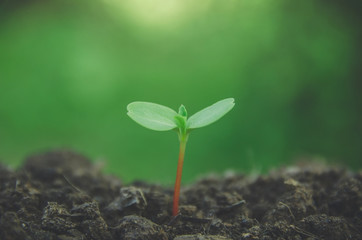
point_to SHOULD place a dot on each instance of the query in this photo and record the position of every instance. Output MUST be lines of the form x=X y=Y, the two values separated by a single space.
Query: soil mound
x=62 y=196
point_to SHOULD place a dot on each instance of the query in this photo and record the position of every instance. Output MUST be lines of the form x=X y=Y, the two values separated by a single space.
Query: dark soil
x=62 y=195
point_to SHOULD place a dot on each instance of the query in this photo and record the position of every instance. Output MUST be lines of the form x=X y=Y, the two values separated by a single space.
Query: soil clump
x=61 y=195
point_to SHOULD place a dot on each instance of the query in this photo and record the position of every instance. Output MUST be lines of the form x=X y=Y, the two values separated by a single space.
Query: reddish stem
x=176 y=194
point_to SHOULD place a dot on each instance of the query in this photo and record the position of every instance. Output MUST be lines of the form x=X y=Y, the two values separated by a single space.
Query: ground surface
x=62 y=195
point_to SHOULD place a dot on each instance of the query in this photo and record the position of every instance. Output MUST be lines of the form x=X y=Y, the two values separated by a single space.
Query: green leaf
x=182 y=111
x=152 y=115
x=210 y=114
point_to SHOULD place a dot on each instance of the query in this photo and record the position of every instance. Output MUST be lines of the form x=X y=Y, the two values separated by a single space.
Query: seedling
x=162 y=118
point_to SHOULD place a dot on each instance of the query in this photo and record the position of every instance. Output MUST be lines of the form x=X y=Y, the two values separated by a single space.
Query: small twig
x=196 y=220
x=68 y=181
x=229 y=208
x=304 y=232
x=290 y=211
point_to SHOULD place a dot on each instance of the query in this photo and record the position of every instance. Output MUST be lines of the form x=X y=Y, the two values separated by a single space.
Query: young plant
x=162 y=118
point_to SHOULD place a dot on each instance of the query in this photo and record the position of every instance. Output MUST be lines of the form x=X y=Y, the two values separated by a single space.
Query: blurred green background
x=68 y=69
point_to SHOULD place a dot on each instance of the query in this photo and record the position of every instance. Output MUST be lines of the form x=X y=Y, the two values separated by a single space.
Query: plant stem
x=176 y=195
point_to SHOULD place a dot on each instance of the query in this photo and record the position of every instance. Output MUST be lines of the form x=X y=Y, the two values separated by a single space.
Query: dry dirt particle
x=329 y=227
x=11 y=227
x=138 y=228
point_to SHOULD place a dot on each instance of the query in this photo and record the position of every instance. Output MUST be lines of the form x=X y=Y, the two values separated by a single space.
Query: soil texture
x=61 y=195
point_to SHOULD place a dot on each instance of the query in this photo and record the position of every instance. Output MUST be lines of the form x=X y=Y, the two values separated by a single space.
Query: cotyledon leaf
x=210 y=114
x=152 y=115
